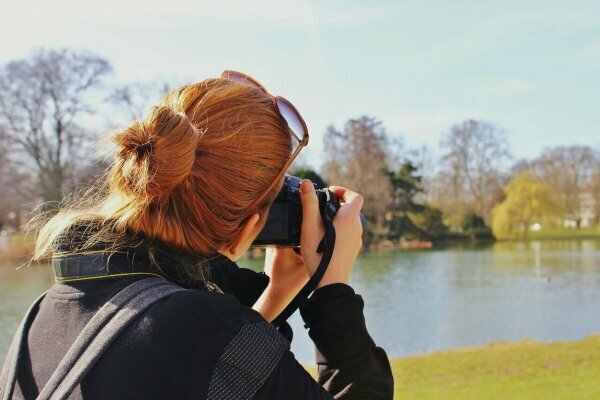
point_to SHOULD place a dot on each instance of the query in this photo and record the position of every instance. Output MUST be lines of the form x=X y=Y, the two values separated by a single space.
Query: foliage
x=454 y=221
x=308 y=173
x=405 y=185
x=471 y=221
x=572 y=172
x=474 y=226
x=430 y=221
x=528 y=201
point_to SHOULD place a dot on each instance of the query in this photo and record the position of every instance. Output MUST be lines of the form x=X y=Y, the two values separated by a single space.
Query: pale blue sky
x=532 y=67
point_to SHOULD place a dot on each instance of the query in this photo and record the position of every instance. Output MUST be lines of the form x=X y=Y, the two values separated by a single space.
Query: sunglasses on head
x=296 y=125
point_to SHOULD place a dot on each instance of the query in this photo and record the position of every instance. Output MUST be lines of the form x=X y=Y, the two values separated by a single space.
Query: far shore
x=18 y=247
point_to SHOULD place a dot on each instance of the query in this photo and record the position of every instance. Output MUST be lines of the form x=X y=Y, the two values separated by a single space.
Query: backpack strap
x=99 y=333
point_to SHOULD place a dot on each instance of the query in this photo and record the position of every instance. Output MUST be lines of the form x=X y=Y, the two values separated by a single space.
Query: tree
x=475 y=152
x=4 y=172
x=16 y=189
x=595 y=189
x=308 y=173
x=528 y=201
x=430 y=222
x=423 y=159
x=358 y=158
x=4 y=152
x=472 y=221
x=133 y=100
x=405 y=186
x=44 y=100
x=570 y=171
x=474 y=226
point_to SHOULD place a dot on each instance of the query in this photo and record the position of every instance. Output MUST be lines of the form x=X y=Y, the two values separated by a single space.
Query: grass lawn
x=525 y=370
x=566 y=233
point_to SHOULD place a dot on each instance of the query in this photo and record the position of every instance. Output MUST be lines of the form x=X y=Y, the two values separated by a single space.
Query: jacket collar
x=138 y=256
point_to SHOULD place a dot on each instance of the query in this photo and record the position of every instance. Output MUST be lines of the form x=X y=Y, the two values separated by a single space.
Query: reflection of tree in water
x=548 y=245
x=549 y=258
x=377 y=267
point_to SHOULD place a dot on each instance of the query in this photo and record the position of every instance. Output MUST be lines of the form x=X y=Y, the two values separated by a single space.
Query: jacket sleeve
x=243 y=283
x=350 y=365
x=290 y=381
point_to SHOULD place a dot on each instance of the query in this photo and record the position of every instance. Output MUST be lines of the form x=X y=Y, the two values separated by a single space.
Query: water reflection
x=471 y=295
x=421 y=301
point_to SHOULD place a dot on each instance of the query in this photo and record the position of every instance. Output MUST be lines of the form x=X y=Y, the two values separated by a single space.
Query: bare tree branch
x=42 y=99
x=472 y=163
x=570 y=171
x=358 y=157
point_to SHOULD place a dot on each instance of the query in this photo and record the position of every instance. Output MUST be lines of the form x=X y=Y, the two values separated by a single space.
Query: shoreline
x=18 y=248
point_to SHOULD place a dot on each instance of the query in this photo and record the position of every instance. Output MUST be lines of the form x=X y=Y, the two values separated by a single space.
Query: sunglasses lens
x=292 y=118
x=287 y=111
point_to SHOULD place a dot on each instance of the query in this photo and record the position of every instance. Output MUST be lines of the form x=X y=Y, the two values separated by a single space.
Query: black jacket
x=201 y=344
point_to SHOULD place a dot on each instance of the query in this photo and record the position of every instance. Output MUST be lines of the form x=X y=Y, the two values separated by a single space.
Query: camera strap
x=325 y=247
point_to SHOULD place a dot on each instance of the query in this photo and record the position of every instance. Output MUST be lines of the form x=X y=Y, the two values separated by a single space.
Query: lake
x=422 y=301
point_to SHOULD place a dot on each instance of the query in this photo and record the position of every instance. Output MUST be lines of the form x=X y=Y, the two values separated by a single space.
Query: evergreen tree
x=405 y=184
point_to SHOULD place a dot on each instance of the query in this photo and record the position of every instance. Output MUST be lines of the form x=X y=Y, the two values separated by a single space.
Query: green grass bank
x=525 y=370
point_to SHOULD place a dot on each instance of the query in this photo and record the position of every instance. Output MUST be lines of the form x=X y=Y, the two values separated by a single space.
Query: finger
x=347 y=196
x=269 y=260
x=310 y=202
x=311 y=218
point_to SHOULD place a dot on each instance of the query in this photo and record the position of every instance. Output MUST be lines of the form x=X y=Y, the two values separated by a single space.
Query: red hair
x=187 y=173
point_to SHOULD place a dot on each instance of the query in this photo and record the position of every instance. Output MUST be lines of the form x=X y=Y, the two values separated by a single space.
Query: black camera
x=285 y=215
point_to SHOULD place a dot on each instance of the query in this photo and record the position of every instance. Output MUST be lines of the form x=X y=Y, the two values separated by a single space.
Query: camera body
x=284 y=221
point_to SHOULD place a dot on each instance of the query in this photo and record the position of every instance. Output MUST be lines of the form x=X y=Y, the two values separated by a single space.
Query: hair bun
x=156 y=154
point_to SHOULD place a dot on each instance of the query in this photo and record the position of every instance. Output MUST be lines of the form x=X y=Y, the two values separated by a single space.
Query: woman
x=188 y=191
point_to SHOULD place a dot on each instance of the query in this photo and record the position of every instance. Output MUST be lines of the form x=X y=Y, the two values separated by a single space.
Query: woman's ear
x=244 y=239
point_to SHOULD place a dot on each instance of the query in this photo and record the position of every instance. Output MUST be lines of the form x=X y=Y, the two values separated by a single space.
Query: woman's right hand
x=348 y=229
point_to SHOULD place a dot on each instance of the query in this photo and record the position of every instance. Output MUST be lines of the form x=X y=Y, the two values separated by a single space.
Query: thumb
x=312 y=228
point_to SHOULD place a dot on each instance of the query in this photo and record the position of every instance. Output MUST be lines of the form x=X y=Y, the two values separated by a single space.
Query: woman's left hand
x=288 y=275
